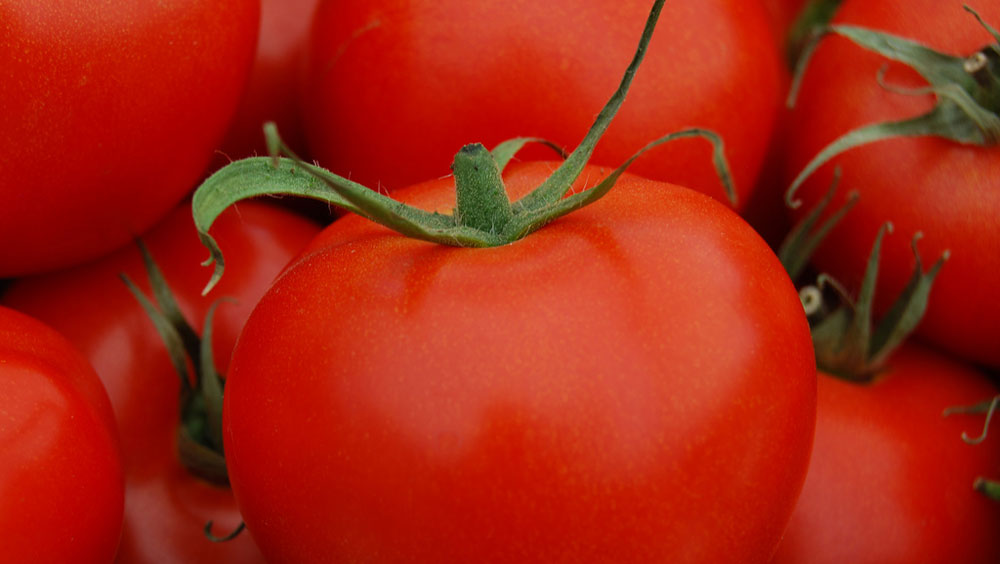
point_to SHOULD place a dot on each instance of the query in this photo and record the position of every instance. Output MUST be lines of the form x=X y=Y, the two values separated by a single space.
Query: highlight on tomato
x=174 y=475
x=532 y=362
x=61 y=486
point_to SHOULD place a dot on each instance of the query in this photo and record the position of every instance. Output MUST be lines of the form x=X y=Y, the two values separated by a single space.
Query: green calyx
x=483 y=216
x=199 y=435
x=847 y=341
x=967 y=89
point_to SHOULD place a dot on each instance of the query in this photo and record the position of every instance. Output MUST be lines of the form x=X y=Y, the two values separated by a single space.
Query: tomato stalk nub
x=483 y=217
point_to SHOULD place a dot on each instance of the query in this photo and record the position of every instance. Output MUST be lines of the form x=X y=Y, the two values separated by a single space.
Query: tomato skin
x=417 y=80
x=109 y=117
x=271 y=89
x=890 y=478
x=584 y=394
x=166 y=507
x=948 y=191
x=61 y=485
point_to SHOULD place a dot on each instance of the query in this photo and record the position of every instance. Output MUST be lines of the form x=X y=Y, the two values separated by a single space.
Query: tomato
x=166 y=506
x=109 y=117
x=271 y=91
x=414 y=81
x=628 y=383
x=950 y=192
x=890 y=478
x=61 y=485
x=782 y=14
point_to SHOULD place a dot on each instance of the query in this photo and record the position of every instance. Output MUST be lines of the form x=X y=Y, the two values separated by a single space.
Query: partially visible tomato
x=110 y=114
x=634 y=382
x=949 y=191
x=890 y=478
x=271 y=93
x=61 y=486
x=395 y=87
x=166 y=506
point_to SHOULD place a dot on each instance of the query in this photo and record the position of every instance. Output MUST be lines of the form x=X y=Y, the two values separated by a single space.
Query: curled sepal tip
x=968 y=95
x=235 y=533
x=847 y=342
x=801 y=242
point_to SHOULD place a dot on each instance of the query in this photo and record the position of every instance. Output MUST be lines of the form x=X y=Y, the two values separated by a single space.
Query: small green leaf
x=504 y=152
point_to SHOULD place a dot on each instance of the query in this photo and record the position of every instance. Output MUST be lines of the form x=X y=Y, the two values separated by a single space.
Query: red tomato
x=782 y=14
x=628 y=384
x=166 y=506
x=271 y=90
x=413 y=81
x=109 y=116
x=948 y=191
x=61 y=485
x=890 y=478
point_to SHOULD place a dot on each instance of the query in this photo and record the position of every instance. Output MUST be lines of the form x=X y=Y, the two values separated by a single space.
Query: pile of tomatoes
x=486 y=350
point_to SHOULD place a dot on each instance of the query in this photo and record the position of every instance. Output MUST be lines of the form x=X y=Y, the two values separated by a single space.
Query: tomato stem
x=484 y=216
x=482 y=201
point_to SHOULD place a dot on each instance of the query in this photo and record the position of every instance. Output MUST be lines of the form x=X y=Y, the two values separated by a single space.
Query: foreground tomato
x=109 y=116
x=629 y=383
x=166 y=506
x=415 y=80
x=61 y=487
x=890 y=478
x=949 y=191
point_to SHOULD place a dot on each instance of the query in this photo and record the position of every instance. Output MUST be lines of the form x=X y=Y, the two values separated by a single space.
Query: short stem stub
x=482 y=201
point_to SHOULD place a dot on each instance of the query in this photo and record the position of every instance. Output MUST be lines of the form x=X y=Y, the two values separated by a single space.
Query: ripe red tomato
x=271 y=90
x=61 y=485
x=109 y=116
x=166 y=506
x=628 y=383
x=890 y=478
x=950 y=192
x=390 y=81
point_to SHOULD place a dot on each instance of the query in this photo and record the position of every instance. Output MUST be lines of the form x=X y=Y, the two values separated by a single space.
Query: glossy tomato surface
x=166 y=506
x=412 y=81
x=630 y=383
x=948 y=191
x=890 y=478
x=109 y=115
x=61 y=486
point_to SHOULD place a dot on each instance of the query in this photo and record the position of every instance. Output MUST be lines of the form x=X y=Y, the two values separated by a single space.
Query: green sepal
x=505 y=151
x=815 y=15
x=846 y=341
x=199 y=434
x=989 y=488
x=481 y=221
x=802 y=241
x=968 y=98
